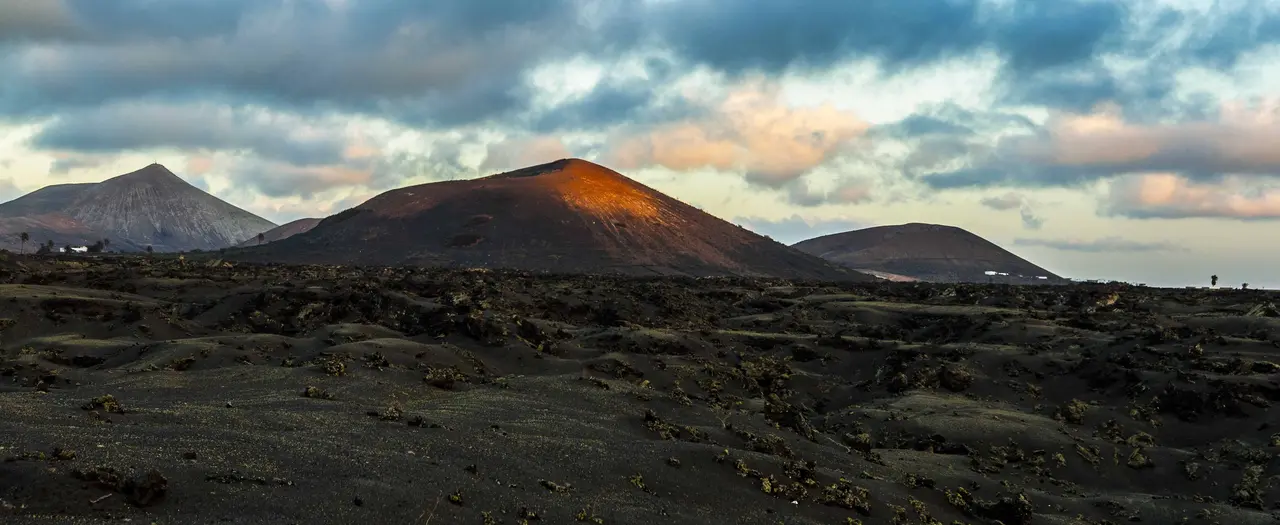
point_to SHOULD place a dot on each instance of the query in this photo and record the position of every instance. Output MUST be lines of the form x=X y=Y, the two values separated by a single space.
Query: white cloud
x=517 y=153
x=1100 y=245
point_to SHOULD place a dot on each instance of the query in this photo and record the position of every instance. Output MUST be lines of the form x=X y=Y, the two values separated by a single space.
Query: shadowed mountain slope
x=569 y=216
x=46 y=200
x=284 y=231
x=928 y=252
x=151 y=206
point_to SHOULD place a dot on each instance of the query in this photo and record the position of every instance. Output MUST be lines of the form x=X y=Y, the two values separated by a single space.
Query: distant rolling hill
x=926 y=252
x=568 y=216
x=284 y=231
x=148 y=207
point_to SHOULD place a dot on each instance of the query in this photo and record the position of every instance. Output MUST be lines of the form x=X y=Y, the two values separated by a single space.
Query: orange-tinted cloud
x=360 y=148
x=199 y=164
x=851 y=193
x=753 y=130
x=1243 y=139
x=1073 y=149
x=37 y=19
x=1167 y=195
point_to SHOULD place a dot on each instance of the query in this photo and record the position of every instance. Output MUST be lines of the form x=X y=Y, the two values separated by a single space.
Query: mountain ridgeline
x=567 y=216
x=149 y=207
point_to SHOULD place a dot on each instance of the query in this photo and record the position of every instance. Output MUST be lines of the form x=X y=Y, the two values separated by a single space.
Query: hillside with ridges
x=927 y=252
x=283 y=231
x=568 y=216
x=148 y=207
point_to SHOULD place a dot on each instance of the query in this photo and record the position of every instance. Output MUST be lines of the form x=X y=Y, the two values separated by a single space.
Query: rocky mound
x=928 y=252
x=148 y=207
x=283 y=231
x=568 y=216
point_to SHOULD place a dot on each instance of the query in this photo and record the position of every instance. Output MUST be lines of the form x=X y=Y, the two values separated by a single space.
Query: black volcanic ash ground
x=158 y=392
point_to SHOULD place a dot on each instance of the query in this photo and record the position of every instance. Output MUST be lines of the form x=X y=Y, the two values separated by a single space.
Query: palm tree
x=1213 y=280
x=24 y=237
x=261 y=237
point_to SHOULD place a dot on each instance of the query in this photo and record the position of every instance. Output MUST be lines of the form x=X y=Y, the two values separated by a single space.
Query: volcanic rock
x=450 y=396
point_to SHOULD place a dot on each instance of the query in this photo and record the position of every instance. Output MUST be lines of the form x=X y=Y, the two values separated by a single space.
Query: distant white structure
x=75 y=249
x=1042 y=277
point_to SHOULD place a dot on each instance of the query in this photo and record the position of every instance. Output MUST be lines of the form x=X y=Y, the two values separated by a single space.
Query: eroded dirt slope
x=148 y=390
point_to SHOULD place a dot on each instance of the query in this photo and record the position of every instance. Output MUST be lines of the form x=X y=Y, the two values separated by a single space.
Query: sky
x=1135 y=140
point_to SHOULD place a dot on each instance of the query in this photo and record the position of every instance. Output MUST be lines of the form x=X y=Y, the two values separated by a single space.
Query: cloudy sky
x=1136 y=140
